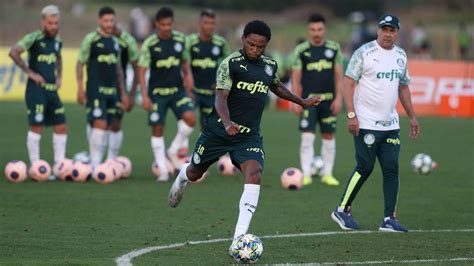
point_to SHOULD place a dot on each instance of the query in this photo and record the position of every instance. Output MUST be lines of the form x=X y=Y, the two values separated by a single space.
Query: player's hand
x=414 y=128
x=353 y=126
x=131 y=103
x=81 y=97
x=336 y=105
x=146 y=102
x=311 y=101
x=36 y=78
x=58 y=83
x=296 y=108
x=232 y=128
x=191 y=96
x=125 y=102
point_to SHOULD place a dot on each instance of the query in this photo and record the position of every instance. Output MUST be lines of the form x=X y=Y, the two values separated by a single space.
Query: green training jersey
x=164 y=59
x=317 y=64
x=129 y=50
x=43 y=52
x=205 y=57
x=248 y=83
x=101 y=54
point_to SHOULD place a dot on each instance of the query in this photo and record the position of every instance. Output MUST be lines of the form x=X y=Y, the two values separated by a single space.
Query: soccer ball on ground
x=292 y=179
x=225 y=166
x=40 y=171
x=81 y=172
x=317 y=166
x=15 y=171
x=82 y=156
x=247 y=248
x=423 y=164
x=157 y=171
x=62 y=169
x=126 y=166
x=104 y=173
x=117 y=166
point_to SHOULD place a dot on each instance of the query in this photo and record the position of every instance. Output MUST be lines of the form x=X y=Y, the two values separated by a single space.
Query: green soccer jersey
x=164 y=58
x=43 y=52
x=248 y=82
x=205 y=57
x=317 y=64
x=101 y=55
x=129 y=50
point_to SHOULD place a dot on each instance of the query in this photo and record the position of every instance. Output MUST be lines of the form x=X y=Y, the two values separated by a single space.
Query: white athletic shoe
x=163 y=177
x=176 y=192
x=174 y=158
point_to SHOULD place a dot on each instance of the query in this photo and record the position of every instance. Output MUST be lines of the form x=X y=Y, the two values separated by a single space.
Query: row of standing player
x=317 y=69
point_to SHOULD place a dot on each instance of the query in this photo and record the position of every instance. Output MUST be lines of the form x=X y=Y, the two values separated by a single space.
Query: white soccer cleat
x=163 y=177
x=176 y=192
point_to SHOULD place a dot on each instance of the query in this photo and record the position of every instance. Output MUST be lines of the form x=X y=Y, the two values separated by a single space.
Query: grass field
x=68 y=223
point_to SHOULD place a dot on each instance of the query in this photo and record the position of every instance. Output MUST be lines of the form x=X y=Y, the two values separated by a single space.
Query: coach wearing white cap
x=377 y=75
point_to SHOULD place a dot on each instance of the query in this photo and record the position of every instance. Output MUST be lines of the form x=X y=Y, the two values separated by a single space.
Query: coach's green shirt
x=43 y=52
x=101 y=55
x=164 y=58
x=205 y=57
x=129 y=50
x=317 y=64
x=248 y=82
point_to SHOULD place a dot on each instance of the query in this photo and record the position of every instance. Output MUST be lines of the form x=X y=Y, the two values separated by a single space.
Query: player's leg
x=115 y=135
x=97 y=118
x=307 y=126
x=157 y=119
x=206 y=103
x=207 y=151
x=366 y=145
x=35 y=104
x=183 y=109
x=327 y=124
x=55 y=116
x=388 y=155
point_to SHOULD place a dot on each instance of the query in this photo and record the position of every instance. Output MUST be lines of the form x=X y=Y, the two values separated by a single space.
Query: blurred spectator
x=362 y=34
x=140 y=24
x=464 y=41
x=420 y=45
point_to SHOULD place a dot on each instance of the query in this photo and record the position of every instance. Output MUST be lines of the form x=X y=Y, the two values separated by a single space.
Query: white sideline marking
x=377 y=262
x=126 y=259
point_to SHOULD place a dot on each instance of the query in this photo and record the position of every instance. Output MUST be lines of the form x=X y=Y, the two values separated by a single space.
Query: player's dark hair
x=207 y=13
x=316 y=17
x=106 y=10
x=164 y=12
x=258 y=27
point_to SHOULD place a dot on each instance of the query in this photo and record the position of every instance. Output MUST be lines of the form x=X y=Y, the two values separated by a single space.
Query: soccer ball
x=423 y=164
x=292 y=179
x=157 y=171
x=183 y=156
x=118 y=169
x=225 y=166
x=40 y=171
x=104 y=173
x=126 y=166
x=317 y=166
x=15 y=171
x=81 y=172
x=82 y=156
x=62 y=169
x=247 y=248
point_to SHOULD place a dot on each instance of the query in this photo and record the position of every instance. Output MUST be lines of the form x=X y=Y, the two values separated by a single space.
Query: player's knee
x=365 y=169
x=327 y=136
x=100 y=124
x=115 y=126
x=253 y=176
x=157 y=130
x=60 y=129
x=38 y=129
x=189 y=118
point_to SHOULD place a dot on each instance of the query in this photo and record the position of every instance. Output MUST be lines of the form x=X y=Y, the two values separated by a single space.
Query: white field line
x=126 y=259
x=376 y=262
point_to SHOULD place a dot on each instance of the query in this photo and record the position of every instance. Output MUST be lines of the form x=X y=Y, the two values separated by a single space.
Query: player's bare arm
x=81 y=96
x=59 y=71
x=15 y=55
x=296 y=87
x=405 y=98
x=121 y=86
x=223 y=111
x=187 y=78
x=141 y=79
x=336 y=105
x=133 y=89
x=281 y=91
x=348 y=91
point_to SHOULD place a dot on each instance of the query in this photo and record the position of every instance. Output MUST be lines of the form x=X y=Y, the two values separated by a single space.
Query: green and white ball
x=317 y=166
x=247 y=248
x=422 y=164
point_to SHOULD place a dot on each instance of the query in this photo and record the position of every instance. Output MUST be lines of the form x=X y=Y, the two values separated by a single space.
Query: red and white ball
x=292 y=179
x=40 y=171
x=62 y=169
x=104 y=174
x=126 y=166
x=81 y=171
x=118 y=169
x=225 y=166
x=157 y=171
x=15 y=171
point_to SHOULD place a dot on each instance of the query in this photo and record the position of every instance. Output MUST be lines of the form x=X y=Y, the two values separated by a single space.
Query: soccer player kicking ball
x=44 y=79
x=243 y=81
x=100 y=51
x=376 y=77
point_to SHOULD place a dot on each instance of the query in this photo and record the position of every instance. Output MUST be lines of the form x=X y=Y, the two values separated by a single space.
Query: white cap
x=50 y=10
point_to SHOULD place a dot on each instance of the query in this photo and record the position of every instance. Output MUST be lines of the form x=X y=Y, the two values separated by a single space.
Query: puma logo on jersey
x=196 y=49
x=42 y=44
x=307 y=54
x=100 y=45
x=244 y=67
x=376 y=60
